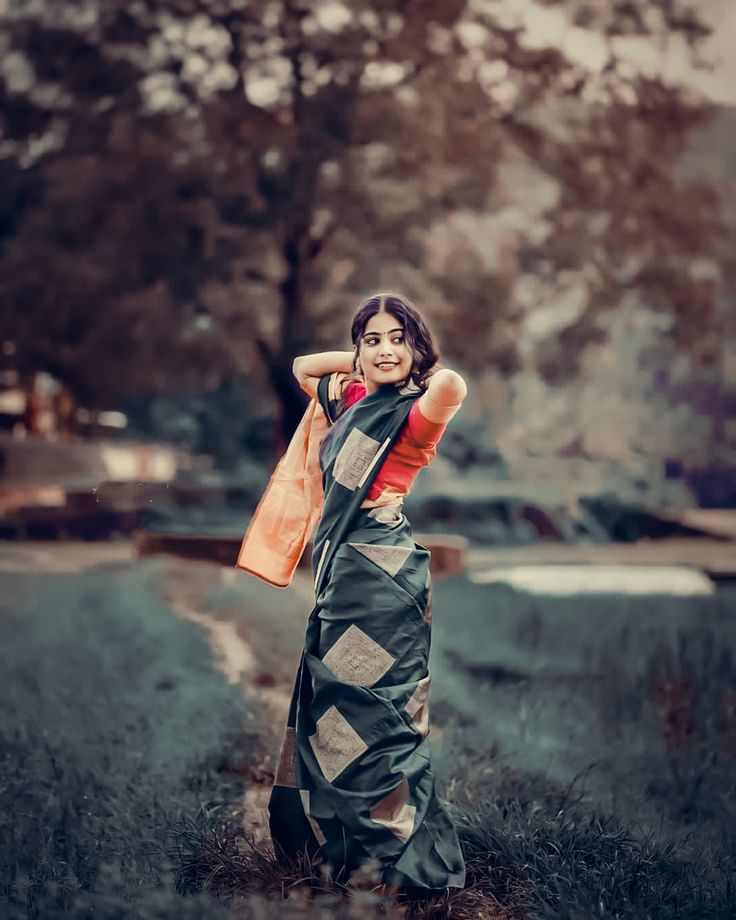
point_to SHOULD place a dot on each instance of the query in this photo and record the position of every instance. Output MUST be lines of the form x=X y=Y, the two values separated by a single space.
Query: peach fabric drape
x=290 y=508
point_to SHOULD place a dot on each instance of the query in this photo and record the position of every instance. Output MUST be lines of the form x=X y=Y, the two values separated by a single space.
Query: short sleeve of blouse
x=420 y=431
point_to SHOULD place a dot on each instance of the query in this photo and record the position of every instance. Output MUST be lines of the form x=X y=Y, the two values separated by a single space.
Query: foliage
x=208 y=184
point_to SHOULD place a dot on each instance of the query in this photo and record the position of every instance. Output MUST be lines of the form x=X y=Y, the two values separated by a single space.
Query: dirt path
x=221 y=600
x=255 y=631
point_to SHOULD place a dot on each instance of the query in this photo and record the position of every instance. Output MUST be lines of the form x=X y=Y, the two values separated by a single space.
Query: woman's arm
x=444 y=395
x=309 y=368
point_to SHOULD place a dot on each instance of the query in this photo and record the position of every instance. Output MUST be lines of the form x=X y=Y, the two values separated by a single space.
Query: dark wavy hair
x=417 y=336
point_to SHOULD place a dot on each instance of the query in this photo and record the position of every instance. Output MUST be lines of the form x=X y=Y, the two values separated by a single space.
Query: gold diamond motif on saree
x=418 y=705
x=354 y=458
x=358 y=659
x=336 y=744
x=286 y=769
x=390 y=558
x=395 y=812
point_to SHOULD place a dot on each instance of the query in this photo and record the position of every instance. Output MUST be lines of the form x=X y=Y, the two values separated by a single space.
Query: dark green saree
x=354 y=780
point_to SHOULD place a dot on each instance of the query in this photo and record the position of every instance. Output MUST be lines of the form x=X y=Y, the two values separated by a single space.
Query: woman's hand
x=309 y=368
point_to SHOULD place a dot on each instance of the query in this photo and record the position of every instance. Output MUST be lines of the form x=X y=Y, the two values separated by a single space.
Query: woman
x=354 y=781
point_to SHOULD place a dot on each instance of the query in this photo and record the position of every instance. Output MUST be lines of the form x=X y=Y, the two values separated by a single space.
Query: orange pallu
x=291 y=506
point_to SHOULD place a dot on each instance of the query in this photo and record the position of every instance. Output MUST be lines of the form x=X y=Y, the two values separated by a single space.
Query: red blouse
x=412 y=451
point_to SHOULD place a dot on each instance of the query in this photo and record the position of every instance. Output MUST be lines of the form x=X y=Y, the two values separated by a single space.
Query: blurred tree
x=191 y=185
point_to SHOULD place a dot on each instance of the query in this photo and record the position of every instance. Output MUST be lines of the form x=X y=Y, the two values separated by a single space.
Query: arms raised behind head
x=309 y=368
x=445 y=391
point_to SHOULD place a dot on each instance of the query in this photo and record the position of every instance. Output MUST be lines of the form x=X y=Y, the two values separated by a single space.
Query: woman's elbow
x=297 y=368
x=449 y=385
x=461 y=387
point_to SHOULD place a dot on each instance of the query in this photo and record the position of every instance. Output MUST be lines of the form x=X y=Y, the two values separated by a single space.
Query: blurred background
x=193 y=192
x=196 y=192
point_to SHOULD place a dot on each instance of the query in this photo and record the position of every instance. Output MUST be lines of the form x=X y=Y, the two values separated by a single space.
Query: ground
x=147 y=693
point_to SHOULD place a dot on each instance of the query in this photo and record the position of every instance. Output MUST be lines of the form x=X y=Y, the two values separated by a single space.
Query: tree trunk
x=292 y=400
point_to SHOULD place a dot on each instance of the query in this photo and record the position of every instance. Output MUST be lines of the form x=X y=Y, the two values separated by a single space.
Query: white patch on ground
x=590 y=579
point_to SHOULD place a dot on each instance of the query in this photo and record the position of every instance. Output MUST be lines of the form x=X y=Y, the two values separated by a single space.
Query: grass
x=547 y=857
x=115 y=725
x=532 y=851
x=111 y=728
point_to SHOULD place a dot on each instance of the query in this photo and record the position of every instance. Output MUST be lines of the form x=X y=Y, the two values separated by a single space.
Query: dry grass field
x=586 y=746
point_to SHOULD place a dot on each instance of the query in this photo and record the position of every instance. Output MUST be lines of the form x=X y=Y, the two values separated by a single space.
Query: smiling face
x=383 y=353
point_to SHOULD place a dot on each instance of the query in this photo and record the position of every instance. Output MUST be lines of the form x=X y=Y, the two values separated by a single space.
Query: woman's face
x=382 y=352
